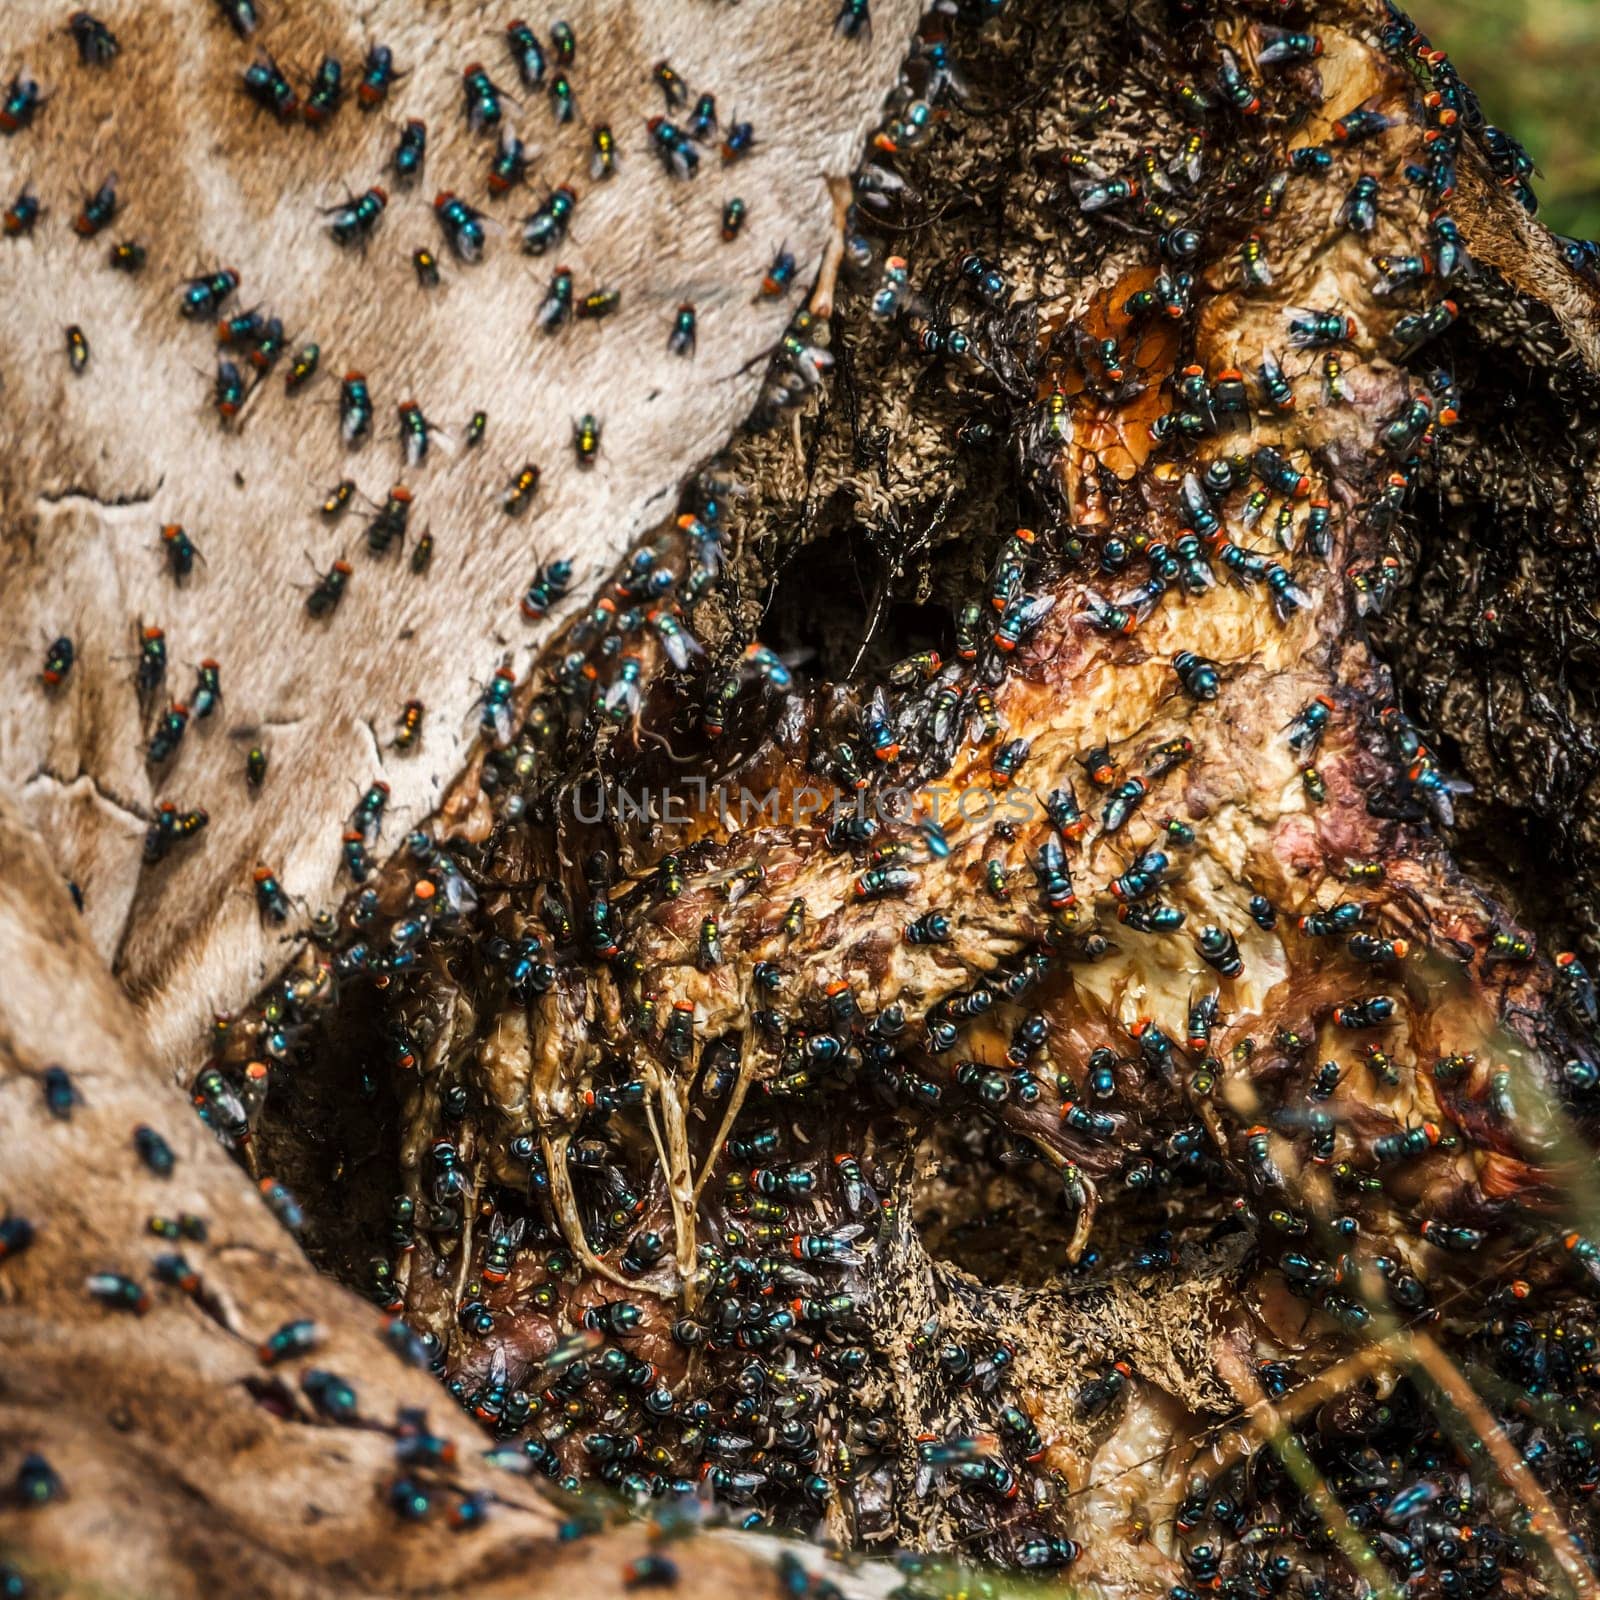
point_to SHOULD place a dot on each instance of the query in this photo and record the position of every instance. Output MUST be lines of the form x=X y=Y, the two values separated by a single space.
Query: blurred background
x=1535 y=65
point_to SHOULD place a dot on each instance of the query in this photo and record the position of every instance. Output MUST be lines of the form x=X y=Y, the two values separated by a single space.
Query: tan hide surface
x=94 y=465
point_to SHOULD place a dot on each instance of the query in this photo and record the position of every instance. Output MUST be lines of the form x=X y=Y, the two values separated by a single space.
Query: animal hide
x=97 y=464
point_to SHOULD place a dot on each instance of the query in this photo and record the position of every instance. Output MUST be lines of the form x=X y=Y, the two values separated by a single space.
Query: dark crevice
x=1495 y=642
x=274 y=1395
x=75 y=491
x=832 y=598
x=330 y=1133
x=977 y=1206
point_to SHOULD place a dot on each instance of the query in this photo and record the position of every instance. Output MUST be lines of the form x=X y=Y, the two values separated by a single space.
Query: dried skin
x=98 y=464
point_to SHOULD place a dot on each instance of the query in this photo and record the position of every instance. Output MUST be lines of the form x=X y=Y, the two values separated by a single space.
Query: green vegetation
x=1535 y=65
